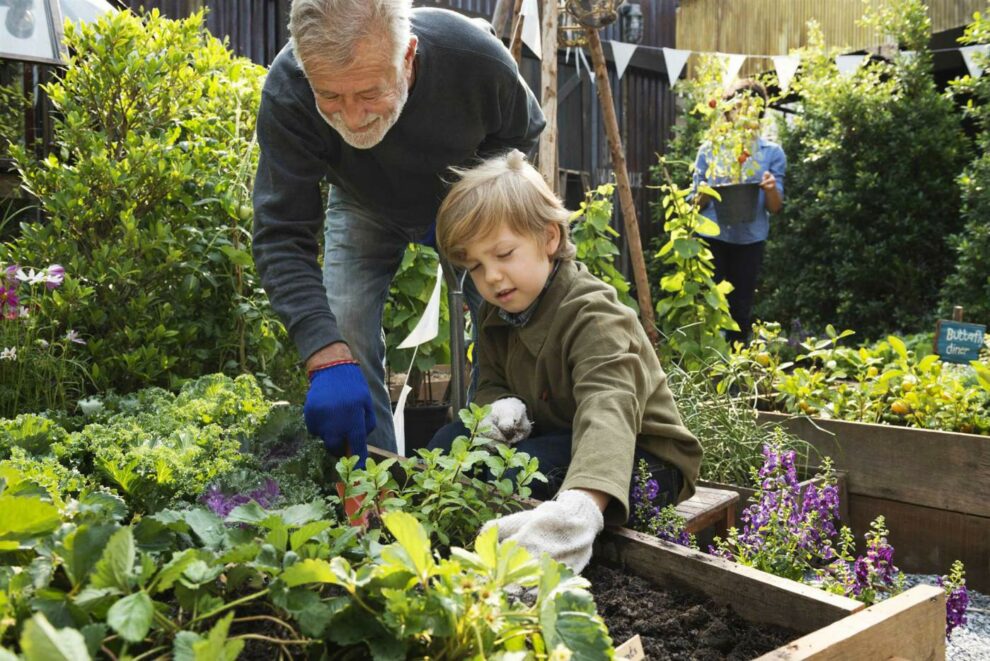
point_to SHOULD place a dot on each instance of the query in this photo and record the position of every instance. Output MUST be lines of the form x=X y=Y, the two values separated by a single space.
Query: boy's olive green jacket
x=583 y=362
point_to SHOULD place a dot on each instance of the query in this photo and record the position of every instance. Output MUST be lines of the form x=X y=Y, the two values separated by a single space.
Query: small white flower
x=9 y=353
x=43 y=343
x=73 y=336
x=31 y=277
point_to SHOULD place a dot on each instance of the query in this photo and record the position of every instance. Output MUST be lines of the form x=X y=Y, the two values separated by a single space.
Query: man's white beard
x=379 y=124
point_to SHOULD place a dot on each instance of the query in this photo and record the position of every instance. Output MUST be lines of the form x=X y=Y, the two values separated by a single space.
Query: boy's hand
x=565 y=528
x=508 y=421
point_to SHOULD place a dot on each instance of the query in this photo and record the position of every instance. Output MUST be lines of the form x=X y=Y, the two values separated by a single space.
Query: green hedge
x=871 y=196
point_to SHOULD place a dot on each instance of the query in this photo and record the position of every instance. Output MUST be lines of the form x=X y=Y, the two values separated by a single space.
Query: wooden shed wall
x=773 y=27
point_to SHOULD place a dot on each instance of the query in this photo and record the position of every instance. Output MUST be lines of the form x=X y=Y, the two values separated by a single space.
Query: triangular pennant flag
x=427 y=328
x=674 y=59
x=786 y=66
x=848 y=64
x=731 y=63
x=399 y=418
x=567 y=56
x=530 y=12
x=428 y=325
x=969 y=52
x=622 y=52
x=591 y=74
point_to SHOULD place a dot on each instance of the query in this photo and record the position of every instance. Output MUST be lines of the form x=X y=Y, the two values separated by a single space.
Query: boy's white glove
x=507 y=421
x=565 y=528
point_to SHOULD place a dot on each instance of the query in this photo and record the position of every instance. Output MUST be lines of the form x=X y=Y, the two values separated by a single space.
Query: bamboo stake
x=548 y=76
x=629 y=215
x=515 y=46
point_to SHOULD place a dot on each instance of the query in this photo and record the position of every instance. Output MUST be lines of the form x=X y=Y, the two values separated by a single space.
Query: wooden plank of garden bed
x=928 y=540
x=909 y=625
x=753 y=594
x=949 y=471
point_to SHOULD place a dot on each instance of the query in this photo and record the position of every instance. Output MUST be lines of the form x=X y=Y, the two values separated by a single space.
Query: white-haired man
x=379 y=99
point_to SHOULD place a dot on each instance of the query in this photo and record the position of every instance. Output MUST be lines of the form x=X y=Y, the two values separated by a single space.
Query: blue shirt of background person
x=770 y=156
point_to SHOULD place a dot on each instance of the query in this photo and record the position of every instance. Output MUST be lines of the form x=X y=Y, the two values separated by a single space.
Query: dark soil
x=677 y=625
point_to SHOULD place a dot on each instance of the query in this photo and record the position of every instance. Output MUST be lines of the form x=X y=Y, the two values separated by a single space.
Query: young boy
x=571 y=375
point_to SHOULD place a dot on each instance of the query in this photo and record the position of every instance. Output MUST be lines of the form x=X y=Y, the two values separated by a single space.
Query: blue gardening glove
x=338 y=410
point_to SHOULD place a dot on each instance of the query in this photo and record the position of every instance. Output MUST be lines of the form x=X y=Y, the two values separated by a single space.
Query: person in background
x=569 y=372
x=378 y=99
x=738 y=249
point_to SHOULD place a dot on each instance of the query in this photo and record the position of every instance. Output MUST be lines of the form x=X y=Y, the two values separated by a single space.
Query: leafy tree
x=147 y=198
x=871 y=191
x=969 y=284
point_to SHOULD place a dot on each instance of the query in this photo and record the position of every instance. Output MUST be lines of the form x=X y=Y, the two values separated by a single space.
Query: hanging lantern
x=594 y=13
x=570 y=33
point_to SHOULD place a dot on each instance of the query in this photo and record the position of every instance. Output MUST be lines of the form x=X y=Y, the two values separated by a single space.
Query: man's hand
x=565 y=528
x=338 y=409
x=508 y=421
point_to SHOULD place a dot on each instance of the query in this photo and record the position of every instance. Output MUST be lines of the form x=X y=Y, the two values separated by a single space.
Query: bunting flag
x=427 y=328
x=674 y=59
x=974 y=64
x=731 y=64
x=582 y=58
x=848 y=64
x=786 y=66
x=622 y=53
x=530 y=12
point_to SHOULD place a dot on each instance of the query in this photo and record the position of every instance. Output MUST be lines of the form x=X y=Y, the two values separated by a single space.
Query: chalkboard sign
x=958 y=342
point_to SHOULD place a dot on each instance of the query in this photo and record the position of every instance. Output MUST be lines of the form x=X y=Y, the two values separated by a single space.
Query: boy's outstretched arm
x=565 y=528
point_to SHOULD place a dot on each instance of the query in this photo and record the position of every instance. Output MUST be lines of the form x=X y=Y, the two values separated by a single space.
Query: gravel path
x=971 y=642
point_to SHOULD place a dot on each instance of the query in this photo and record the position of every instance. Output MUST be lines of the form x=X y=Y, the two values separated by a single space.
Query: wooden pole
x=633 y=239
x=548 y=77
x=515 y=46
x=501 y=16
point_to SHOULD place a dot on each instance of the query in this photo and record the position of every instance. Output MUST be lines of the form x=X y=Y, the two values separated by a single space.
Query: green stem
x=150 y=652
x=236 y=602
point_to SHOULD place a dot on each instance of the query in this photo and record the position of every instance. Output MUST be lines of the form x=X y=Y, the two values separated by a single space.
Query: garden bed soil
x=677 y=625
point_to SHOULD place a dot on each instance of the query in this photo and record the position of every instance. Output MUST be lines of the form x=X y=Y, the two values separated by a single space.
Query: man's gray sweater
x=468 y=100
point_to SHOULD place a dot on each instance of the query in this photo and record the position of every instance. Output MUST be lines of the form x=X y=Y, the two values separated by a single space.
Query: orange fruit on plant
x=900 y=407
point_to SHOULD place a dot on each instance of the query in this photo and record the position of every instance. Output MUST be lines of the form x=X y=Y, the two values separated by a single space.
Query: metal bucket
x=738 y=204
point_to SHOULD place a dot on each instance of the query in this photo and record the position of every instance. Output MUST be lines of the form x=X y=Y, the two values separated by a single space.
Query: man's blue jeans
x=362 y=252
x=553 y=450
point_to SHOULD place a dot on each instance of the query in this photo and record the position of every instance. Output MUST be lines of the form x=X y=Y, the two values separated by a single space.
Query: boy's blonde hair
x=503 y=189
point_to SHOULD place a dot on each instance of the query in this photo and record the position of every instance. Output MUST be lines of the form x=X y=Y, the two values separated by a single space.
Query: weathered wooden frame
x=909 y=625
x=932 y=487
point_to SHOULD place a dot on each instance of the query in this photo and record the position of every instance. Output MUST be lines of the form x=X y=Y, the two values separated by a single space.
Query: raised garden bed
x=933 y=487
x=825 y=626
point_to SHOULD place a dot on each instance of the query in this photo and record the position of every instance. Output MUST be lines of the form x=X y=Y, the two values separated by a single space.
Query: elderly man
x=379 y=99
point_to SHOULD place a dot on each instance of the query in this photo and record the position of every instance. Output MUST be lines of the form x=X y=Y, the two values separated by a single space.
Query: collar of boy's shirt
x=520 y=319
x=534 y=333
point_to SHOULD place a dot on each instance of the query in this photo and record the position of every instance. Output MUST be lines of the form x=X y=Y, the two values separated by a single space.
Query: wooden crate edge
x=909 y=625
